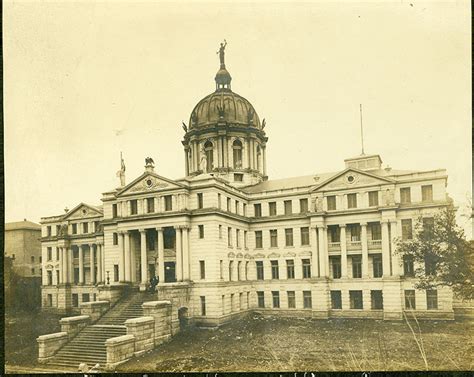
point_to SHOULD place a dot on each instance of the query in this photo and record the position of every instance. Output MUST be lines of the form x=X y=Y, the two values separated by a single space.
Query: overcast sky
x=87 y=80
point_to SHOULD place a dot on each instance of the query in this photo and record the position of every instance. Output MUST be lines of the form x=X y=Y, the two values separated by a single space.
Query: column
x=70 y=265
x=226 y=155
x=186 y=161
x=185 y=235
x=99 y=263
x=314 y=253
x=121 y=258
x=342 y=228
x=365 y=250
x=44 y=258
x=385 y=249
x=64 y=265
x=126 y=249
x=91 y=251
x=81 y=264
x=230 y=154
x=396 y=268
x=133 y=261
x=102 y=252
x=251 y=154
x=179 y=255
x=161 y=256
x=264 y=154
x=323 y=252
x=143 y=260
x=61 y=266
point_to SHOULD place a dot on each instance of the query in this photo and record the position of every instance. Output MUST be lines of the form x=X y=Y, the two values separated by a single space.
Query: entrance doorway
x=170 y=275
x=183 y=317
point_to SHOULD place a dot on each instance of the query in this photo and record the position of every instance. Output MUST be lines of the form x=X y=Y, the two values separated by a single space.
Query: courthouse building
x=226 y=239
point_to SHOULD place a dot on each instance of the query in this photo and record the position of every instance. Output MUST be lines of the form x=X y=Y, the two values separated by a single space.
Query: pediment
x=351 y=178
x=289 y=254
x=149 y=182
x=231 y=255
x=305 y=254
x=83 y=211
x=248 y=256
x=274 y=255
x=259 y=255
x=239 y=255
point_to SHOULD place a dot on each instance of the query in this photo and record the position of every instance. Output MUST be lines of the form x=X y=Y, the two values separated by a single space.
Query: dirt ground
x=278 y=344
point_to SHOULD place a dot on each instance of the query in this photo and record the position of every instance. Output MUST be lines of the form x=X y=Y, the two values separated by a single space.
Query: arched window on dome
x=209 y=150
x=237 y=153
x=259 y=156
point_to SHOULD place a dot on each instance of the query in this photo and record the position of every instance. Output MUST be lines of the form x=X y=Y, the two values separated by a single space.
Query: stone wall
x=160 y=311
x=94 y=309
x=49 y=344
x=143 y=329
x=178 y=294
x=72 y=325
x=119 y=350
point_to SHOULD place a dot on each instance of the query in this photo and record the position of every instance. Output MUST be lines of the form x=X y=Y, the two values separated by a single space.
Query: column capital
x=342 y=225
x=159 y=230
x=321 y=226
x=385 y=221
x=362 y=224
x=142 y=230
x=91 y=245
x=393 y=221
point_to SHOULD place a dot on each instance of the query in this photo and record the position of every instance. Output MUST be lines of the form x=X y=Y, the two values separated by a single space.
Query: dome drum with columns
x=225 y=136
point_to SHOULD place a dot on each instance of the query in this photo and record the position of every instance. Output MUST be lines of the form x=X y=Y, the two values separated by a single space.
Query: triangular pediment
x=350 y=178
x=83 y=211
x=149 y=182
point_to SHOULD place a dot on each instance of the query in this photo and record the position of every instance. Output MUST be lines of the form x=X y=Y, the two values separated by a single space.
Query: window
x=32 y=259
x=58 y=230
x=288 y=207
x=355 y=298
x=275 y=269
x=427 y=193
x=74 y=228
x=114 y=210
x=356 y=266
x=405 y=195
x=237 y=238
x=259 y=265
x=57 y=277
x=200 y=200
x=223 y=304
x=241 y=301
x=209 y=151
x=115 y=238
x=229 y=237
x=291 y=299
x=304 y=236
x=85 y=228
x=258 y=210
x=331 y=200
x=355 y=232
x=376 y=299
x=96 y=226
x=244 y=209
x=50 y=253
x=239 y=266
x=289 y=237
x=246 y=270
x=203 y=305
x=407 y=229
x=377 y=266
x=220 y=231
x=408 y=268
x=431 y=261
x=221 y=269
x=237 y=153
x=133 y=207
x=307 y=300
x=237 y=207
x=85 y=297
x=168 y=203
x=334 y=233
x=376 y=231
x=116 y=272
x=219 y=201
x=57 y=253
x=40 y=260
x=306 y=268
x=228 y=204
x=245 y=239
x=48 y=230
x=273 y=238
x=32 y=271
x=290 y=269
x=272 y=208
x=276 y=299
x=50 y=277
x=336 y=267
x=50 y=299
x=238 y=177
x=201 y=231
x=410 y=301
x=258 y=239
x=261 y=299
x=303 y=205
x=373 y=198
x=202 y=269
x=351 y=200
x=150 y=205
x=336 y=300
x=231 y=270
x=428 y=228
x=75 y=300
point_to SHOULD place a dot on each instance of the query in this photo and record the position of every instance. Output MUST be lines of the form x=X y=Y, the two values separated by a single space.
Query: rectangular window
x=331 y=201
x=237 y=238
x=200 y=201
x=202 y=269
x=219 y=201
x=221 y=269
x=258 y=239
x=408 y=267
x=75 y=300
x=239 y=266
x=150 y=205
x=50 y=300
x=430 y=260
x=377 y=266
x=259 y=265
x=405 y=195
x=336 y=300
x=241 y=301
x=289 y=237
x=50 y=277
x=201 y=231
x=57 y=277
x=115 y=238
x=229 y=237
x=428 y=227
x=373 y=198
x=306 y=268
x=356 y=266
x=133 y=207
x=232 y=302
x=261 y=299
x=427 y=193
x=336 y=267
x=85 y=297
x=57 y=253
x=288 y=207
x=238 y=177
x=304 y=236
x=48 y=230
x=276 y=299
x=431 y=299
x=114 y=210
x=307 y=300
x=290 y=269
x=303 y=205
x=237 y=207
x=355 y=298
x=244 y=209
x=258 y=210
x=168 y=203
x=291 y=299
x=376 y=231
x=273 y=238
x=74 y=228
x=410 y=301
x=275 y=269
x=223 y=304
x=203 y=305
x=58 y=230
x=351 y=200
x=231 y=270
x=85 y=227
x=376 y=299
x=50 y=253
x=220 y=231
x=272 y=208
x=355 y=232
x=246 y=270
x=116 y=272
x=228 y=204
x=245 y=239
x=407 y=229
x=32 y=259
x=334 y=233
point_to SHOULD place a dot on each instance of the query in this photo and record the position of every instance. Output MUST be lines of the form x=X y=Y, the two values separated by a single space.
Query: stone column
x=323 y=251
x=61 y=266
x=81 y=264
x=179 y=255
x=264 y=154
x=44 y=256
x=133 y=261
x=126 y=244
x=343 y=240
x=185 y=235
x=396 y=268
x=365 y=250
x=186 y=161
x=161 y=255
x=230 y=154
x=314 y=253
x=121 y=258
x=91 y=251
x=102 y=253
x=385 y=249
x=143 y=260
x=99 y=263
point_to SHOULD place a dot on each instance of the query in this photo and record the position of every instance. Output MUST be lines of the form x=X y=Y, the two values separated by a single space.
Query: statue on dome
x=149 y=161
x=121 y=172
x=185 y=128
x=203 y=161
x=221 y=52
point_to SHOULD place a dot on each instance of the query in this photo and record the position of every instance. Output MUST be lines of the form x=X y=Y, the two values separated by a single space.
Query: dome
x=224 y=106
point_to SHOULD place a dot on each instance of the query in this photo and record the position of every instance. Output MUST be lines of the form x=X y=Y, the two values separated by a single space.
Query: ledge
x=119 y=340
x=53 y=336
x=156 y=304
x=94 y=303
x=139 y=321
x=78 y=318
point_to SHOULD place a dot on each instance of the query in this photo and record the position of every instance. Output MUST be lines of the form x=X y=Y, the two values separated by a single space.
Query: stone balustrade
x=72 y=325
x=160 y=311
x=119 y=350
x=49 y=344
x=94 y=309
x=143 y=329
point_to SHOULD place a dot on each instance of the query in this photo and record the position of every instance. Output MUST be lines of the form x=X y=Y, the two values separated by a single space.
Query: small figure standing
x=121 y=172
x=221 y=53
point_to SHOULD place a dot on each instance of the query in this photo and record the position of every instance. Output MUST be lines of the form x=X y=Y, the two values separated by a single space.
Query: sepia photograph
x=254 y=186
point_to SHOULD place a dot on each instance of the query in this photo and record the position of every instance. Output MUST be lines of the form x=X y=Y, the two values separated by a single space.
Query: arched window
x=209 y=150
x=259 y=156
x=237 y=153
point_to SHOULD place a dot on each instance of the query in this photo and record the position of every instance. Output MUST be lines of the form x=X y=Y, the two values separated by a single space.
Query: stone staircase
x=89 y=345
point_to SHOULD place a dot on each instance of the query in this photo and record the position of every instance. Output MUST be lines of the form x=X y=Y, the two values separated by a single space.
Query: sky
x=84 y=81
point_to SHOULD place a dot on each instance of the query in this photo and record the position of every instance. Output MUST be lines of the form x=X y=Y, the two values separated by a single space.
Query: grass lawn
x=279 y=344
